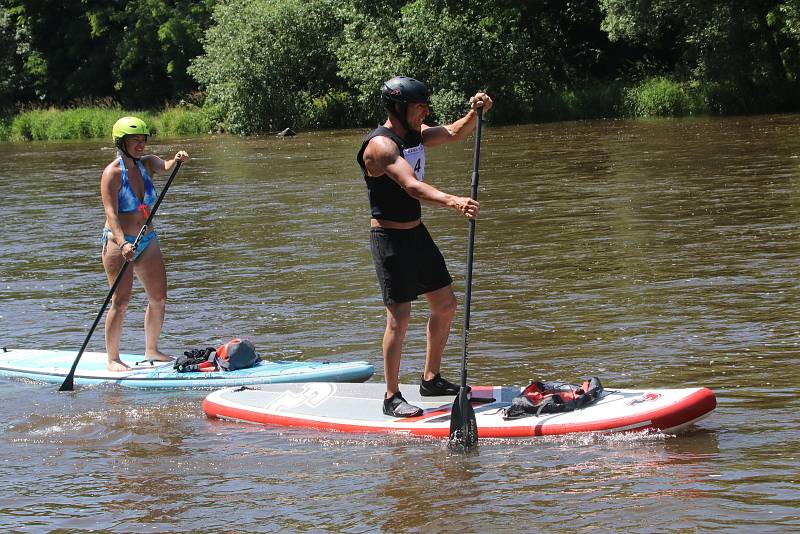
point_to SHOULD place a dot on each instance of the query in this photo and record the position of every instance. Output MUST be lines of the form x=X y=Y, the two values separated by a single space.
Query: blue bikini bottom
x=146 y=239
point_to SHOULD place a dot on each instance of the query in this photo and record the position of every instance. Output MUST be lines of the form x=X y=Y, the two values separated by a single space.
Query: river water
x=649 y=253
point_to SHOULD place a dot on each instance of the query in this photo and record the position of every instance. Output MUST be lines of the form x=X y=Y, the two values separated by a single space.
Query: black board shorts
x=408 y=263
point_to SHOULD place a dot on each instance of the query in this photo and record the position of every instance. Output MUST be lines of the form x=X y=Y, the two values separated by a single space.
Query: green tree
x=787 y=19
x=62 y=58
x=268 y=62
x=567 y=34
x=10 y=63
x=456 y=49
x=748 y=44
x=154 y=41
x=136 y=51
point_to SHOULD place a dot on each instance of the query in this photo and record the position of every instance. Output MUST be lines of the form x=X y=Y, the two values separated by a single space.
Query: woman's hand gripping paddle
x=463 y=426
x=68 y=383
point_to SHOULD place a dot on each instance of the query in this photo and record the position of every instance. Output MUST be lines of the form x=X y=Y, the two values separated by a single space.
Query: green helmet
x=129 y=126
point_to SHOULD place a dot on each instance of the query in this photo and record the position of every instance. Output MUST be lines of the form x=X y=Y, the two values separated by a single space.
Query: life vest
x=553 y=397
x=233 y=355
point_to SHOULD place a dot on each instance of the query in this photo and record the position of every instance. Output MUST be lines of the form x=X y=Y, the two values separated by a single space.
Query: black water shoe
x=396 y=406
x=437 y=387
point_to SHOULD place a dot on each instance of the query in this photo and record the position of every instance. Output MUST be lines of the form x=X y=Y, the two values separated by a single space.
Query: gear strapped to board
x=553 y=397
x=233 y=355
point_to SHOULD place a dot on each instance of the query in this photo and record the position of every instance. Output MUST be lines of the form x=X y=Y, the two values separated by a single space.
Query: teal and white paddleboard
x=54 y=365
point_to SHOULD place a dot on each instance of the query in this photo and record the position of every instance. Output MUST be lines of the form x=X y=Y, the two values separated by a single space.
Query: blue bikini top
x=128 y=201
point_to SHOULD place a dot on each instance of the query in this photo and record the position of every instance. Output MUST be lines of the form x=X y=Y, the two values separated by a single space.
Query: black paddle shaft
x=68 y=383
x=470 y=248
x=463 y=426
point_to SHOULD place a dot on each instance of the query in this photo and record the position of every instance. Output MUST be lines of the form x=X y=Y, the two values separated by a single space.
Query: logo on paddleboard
x=312 y=395
x=647 y=397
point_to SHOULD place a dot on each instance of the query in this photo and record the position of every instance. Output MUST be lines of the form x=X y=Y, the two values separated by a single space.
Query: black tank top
x=387 y=200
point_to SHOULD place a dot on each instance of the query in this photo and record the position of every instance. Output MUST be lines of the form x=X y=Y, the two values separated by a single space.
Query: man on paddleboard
x=407 y=261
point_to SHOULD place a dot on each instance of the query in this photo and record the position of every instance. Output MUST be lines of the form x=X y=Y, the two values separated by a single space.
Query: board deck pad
x=53 y=366
x=358 y=408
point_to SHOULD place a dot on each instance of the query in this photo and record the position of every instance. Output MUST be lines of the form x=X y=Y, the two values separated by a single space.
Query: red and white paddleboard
x=358 y=408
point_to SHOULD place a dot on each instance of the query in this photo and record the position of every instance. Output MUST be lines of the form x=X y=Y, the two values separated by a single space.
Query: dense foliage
x=456 y=51
x=134 y=51
x=262 y=65
x=744 y=53
x=268 y=63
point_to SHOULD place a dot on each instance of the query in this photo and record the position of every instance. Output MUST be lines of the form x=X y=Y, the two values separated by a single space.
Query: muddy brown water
x=648 y=253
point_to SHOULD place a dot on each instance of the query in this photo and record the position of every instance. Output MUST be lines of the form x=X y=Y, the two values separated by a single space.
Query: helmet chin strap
x=401 y=110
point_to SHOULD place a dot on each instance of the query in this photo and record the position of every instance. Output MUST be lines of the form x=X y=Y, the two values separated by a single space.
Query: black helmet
x=404 y=90
x=401 y=91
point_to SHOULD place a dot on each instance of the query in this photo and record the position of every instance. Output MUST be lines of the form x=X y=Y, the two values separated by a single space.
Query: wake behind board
x=357 y=408
x=54 y=365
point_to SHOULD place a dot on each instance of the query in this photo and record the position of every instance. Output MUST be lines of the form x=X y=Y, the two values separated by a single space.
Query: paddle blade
x=67 y=385
x=463 y=426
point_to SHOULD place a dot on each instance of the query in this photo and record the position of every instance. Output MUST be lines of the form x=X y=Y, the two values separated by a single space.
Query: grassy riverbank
x=96 y=122
x=655 y=97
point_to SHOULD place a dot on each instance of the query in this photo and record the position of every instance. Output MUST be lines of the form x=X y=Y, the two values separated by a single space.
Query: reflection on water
x=648 y=253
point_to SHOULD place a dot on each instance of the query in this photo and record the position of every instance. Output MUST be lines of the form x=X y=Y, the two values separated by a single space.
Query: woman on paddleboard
x=407 y=261
x=128 y=194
